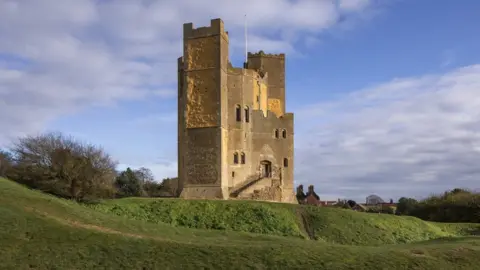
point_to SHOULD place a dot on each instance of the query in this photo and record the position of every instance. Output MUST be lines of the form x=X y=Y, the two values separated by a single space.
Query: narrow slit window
x=235 y=158
x=284 y=133
x=276 y=133
x=238 y=113
x=285 y=162
x=247 y=114
x=242 y=157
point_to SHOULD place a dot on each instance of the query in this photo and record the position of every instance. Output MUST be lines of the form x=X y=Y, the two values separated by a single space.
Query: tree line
x=457 y=205
x=68 y=168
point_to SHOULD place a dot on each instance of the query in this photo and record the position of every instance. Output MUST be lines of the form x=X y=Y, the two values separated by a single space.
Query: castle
x=235 y=139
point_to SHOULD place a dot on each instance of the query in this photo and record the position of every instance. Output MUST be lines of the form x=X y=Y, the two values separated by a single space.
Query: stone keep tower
x=235 y=139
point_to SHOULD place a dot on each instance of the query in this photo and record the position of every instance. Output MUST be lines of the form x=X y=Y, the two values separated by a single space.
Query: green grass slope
x=326 y=224
x=38 y=231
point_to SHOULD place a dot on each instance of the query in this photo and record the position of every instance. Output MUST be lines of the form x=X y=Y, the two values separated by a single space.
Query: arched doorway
x=266 y=169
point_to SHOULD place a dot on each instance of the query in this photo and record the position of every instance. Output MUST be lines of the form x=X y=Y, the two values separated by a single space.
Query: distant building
x=311 y=198
x=328 y=203
x=374 y=200
x=359 y=208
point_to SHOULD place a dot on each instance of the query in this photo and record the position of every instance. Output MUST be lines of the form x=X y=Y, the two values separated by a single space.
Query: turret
x=274 y=66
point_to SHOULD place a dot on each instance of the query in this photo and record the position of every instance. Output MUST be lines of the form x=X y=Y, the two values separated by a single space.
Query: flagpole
x=246 y=41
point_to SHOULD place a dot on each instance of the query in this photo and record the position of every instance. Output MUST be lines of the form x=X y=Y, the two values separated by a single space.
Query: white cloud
x=353 y=5
x=58 y=57
x=411 y=136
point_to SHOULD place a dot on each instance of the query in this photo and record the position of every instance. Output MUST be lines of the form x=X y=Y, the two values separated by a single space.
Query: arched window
x=242 y=158
x=285 y=162
x=276 y=133
x=238 y=113
x=247 y=114
x=284 y=133
x=235 y=158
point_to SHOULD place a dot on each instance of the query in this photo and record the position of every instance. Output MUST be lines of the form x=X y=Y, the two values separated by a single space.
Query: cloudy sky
x=386 y=92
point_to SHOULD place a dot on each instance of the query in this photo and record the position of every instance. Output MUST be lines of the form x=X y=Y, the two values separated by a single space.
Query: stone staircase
x=252 y=180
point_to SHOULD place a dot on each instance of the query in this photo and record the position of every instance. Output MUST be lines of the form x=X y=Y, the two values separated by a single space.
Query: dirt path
x=309 y=231
x=77 y=224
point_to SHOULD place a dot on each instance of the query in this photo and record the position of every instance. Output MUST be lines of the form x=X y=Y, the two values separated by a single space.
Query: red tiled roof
x=389 y=204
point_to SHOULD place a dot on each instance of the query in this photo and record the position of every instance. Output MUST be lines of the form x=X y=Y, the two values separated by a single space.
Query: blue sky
x=386 y=93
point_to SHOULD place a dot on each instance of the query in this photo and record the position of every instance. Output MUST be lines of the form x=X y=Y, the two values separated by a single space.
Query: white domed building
x=374 y=200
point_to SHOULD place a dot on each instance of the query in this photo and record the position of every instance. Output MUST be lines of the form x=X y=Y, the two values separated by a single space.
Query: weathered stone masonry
x=235 y=139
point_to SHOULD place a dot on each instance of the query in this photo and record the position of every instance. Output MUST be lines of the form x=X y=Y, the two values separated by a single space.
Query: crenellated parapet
x=268 y=55
x=259 y=120
x=216 y=28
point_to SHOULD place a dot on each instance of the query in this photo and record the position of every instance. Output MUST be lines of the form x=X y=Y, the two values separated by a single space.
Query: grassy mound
x=343 y=226
x=244 y=216
x=325 y=224
x=43 y=232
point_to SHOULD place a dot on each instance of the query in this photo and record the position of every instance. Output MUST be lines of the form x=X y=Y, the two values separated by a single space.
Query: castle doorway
x=266 y=167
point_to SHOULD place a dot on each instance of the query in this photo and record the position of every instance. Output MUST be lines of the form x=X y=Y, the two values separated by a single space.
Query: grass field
x=326 y=224
x=38 y=231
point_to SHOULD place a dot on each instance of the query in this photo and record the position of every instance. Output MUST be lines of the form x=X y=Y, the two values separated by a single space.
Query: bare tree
x=63 y=166
x=144 y=175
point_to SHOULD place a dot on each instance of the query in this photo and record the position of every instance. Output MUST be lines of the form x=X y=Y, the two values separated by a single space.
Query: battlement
x=287 y=117
x=267 y=55
x=259 y=119
x=216 y=28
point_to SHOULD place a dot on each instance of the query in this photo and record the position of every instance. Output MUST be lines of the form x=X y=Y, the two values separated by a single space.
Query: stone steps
x=237 y=190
